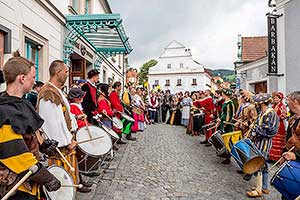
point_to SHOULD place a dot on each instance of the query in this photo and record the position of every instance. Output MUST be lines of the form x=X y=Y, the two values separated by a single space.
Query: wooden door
x=77 y=70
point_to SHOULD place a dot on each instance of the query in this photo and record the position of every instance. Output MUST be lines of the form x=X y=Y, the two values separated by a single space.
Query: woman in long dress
x=278 y=141
x=186 y=104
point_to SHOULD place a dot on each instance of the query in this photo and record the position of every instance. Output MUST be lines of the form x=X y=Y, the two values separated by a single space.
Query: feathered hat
x=262 y=98
x=246 y=95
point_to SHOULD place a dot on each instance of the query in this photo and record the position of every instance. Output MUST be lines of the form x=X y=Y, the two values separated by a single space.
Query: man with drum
x=60 y=123
x=18 y=142
x=228 y=112
x=89 y=103
x=292 y=141
x=117 y=107
x=264 y=129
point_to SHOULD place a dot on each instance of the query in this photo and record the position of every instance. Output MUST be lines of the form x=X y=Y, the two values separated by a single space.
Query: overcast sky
x=208 y=27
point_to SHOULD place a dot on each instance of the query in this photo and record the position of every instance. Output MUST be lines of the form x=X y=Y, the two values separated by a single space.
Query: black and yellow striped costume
x=18 y=146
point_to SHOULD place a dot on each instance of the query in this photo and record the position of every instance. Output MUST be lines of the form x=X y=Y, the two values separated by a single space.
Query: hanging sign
x=272 y=44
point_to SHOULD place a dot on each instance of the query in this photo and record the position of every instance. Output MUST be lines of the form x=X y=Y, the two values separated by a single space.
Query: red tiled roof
x=254 y=48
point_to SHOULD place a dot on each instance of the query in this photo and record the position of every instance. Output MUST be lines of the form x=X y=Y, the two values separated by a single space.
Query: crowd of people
x=268 y=123
x=43 y=119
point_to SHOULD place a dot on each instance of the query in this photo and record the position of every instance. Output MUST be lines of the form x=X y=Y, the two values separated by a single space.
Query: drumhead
x=127 y=117
x=111 y=132
x=117 y=123
x=96 y=147
x=67 y=193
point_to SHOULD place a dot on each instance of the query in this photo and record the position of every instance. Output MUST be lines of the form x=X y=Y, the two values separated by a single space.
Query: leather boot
x=120 y=141
x=130 y=137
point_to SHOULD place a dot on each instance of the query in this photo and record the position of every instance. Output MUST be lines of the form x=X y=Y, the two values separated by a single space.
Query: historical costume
x=152 y=107
x=59 y=124
x=20 y=149
x=186 y=104
x=227 y=115
x=89 y=103
x=104 y=106
x=278 y=141
x=246 y=113
x=117 y=109
x=264 y=129
x=207 y=105
x=166 y=106
x=75 y=107
x=138 y=113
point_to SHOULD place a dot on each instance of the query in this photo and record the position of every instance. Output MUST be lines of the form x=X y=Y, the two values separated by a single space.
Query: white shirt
x=55 y=124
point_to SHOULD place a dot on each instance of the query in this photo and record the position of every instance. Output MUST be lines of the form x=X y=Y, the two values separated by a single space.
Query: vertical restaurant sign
x=272 y=44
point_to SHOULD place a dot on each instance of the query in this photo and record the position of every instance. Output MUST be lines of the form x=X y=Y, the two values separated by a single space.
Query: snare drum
x=231 y=138
x=66 y=193
x=217 y=141
x=127 y=123
x=117 y=123
x=247 y=156
x=287 y=180
x=111 y=132
x=89 y=153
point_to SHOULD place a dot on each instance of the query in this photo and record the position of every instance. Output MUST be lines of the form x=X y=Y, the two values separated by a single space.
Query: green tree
x=143 y=74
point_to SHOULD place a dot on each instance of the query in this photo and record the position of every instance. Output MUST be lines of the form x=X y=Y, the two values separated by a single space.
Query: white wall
x=186 y=81
x=15 y=15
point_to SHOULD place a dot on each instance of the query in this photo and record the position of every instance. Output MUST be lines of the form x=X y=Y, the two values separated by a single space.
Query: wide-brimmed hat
x=75 y=93
x=246 y=95
x=262 y=98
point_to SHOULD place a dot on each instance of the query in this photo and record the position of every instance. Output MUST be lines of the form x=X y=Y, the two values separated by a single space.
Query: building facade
x=46 y=30
x=286 y=79
x=177 y=71
x=252 y=65
x=288 y=30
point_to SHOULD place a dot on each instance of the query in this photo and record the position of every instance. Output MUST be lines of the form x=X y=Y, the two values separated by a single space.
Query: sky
x=209 y=28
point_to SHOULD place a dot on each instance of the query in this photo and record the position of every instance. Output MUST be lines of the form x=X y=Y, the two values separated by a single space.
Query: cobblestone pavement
x=165 y=163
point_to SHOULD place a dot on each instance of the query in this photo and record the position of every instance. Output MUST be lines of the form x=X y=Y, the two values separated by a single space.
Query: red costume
x=76 y=110
x=104 y=104
x=208 y=107
x=278 y=141
x=116 y=105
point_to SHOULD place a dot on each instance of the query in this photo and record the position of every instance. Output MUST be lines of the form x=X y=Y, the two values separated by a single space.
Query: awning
x=104 y=32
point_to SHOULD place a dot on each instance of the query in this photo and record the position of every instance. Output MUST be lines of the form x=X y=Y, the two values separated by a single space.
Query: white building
x=45 y=30
x=177 y=71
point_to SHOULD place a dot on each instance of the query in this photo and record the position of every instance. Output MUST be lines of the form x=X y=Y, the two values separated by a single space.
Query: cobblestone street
x=165 y=163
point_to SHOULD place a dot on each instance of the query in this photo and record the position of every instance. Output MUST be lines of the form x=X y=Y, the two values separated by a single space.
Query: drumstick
x=59 y=152
x=239 y=121
x=229 y=123
x=108 y=117
x=32 y=170
x=66 y=161
x=211 y=128
x=96 y=138
x=77 y=186
x=87 y=125
x=280 y=159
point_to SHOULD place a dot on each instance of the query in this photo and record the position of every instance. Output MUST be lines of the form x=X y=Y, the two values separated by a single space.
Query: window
x=156 y=82
x=194 y=81
x=5 y=43
x=169 y=66
x=32 y=54
x=178 y=82
x=167 y=82
x=181 y=65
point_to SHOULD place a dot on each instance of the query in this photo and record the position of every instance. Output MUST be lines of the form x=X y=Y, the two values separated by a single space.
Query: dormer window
x=169 y=66
x=181 y=65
